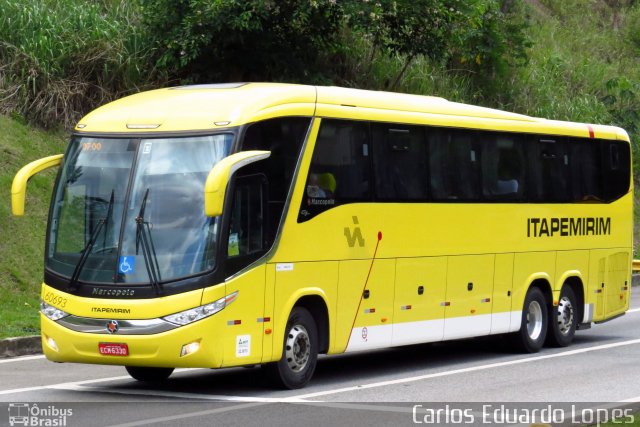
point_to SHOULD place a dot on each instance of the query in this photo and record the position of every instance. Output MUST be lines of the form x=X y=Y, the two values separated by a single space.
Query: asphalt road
x=437 y=384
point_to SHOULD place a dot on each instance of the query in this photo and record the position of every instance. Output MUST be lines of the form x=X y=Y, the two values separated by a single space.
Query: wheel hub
x=565 y=315
x=297 y=348
x=534 y=320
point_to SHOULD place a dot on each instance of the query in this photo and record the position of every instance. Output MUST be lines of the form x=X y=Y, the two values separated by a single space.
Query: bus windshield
x=132 y=210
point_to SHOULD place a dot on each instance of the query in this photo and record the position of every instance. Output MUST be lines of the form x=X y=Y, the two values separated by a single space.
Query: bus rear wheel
x=563 y=319
x=149 y=374
x=533 y=327
x=299 y=353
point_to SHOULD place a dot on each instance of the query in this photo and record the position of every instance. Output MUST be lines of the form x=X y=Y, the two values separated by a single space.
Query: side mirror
x=216 y=185
x=19 y=186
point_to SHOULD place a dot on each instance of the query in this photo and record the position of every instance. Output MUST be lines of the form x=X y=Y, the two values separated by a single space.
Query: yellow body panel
x=529 y=267
x=410 y=304
x=294 y=281
x=432 y=271
x=243 y=320
x=571 y=264
x=469 y=292
x=502 y=298
x=421 y=285
x=369 y=306
x=609 y=282
x=198 y=108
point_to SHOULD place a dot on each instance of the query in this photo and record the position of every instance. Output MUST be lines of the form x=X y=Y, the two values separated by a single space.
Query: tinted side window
x=550 y=165
x=616 y=161
x=284 y=138
x=586 y=170
x=454 y=165
x=247 y=239
x=340 y=168
x=503 y=161
x=400 y=162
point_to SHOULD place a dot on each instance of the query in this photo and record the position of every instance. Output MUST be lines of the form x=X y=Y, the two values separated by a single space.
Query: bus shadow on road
x=361 y=367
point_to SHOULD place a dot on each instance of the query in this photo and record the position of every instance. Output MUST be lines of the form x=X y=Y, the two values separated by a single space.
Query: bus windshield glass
x=132 y=210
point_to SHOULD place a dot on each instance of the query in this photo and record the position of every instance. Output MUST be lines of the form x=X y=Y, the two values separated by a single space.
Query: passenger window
x=550 y=170
x=586 y=170
x=616 y=169
x=502 y=167
x=454 y=165
x=400 y=157
x=340 y=168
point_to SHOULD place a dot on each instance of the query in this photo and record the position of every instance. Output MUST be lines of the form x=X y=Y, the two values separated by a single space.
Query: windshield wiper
x=143 y=238
x=106 y=221
x=73 y=283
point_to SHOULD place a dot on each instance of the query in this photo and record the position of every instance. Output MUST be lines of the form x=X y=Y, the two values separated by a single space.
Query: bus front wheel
x=149 y=374
x=563 y=319
x=299 y=353
x=533 y=327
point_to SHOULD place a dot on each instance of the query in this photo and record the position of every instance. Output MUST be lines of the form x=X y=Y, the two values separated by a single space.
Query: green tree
x=492 y=42
x=471 y=35
x=231 y=40
x=409 y=28
x=303 y=40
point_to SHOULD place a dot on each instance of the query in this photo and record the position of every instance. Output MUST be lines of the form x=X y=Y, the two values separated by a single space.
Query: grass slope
x=22 y=238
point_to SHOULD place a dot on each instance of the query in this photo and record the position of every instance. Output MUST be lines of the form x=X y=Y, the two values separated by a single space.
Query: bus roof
x=217 y=106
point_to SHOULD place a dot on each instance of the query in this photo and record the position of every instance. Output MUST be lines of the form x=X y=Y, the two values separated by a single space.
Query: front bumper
x=154 y=350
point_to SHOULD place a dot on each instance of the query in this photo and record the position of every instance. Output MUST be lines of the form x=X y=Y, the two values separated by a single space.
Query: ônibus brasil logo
x=26 y=414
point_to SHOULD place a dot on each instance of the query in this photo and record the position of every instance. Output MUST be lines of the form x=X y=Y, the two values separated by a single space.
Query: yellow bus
x=264 y=224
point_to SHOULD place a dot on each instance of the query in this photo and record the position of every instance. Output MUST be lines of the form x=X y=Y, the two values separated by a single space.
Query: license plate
x=113 y=349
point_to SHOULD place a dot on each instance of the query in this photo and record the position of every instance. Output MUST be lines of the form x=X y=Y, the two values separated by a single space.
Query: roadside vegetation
x=575 y=60
x=22 y=238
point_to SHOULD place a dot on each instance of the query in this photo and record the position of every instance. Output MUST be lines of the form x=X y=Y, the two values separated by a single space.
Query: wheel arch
x=313 y=300
x=317 y=306
x=544 y=286
x=577 y=286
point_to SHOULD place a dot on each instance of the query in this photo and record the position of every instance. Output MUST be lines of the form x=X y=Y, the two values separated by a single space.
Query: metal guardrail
x=635 y=267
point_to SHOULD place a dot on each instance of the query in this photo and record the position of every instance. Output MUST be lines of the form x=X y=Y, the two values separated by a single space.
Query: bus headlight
x=51 y=312
x=198 y=313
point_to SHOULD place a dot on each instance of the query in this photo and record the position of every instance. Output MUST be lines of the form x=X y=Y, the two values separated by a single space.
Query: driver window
x=246 y=227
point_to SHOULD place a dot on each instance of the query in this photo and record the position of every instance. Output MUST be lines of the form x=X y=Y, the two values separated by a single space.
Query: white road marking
x=467 y=370
x=189 y=415
x=630 y=400
x=348 y=406
x=634 y=310
x=21 y=359
x=371 y=409
x=73 y=383
x=44 y=387
x=174 y=394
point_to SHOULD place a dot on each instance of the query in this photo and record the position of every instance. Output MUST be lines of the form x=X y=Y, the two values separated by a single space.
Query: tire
x=533 y=326
x=563 y=319
x=299 y=352
x=149 y=374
